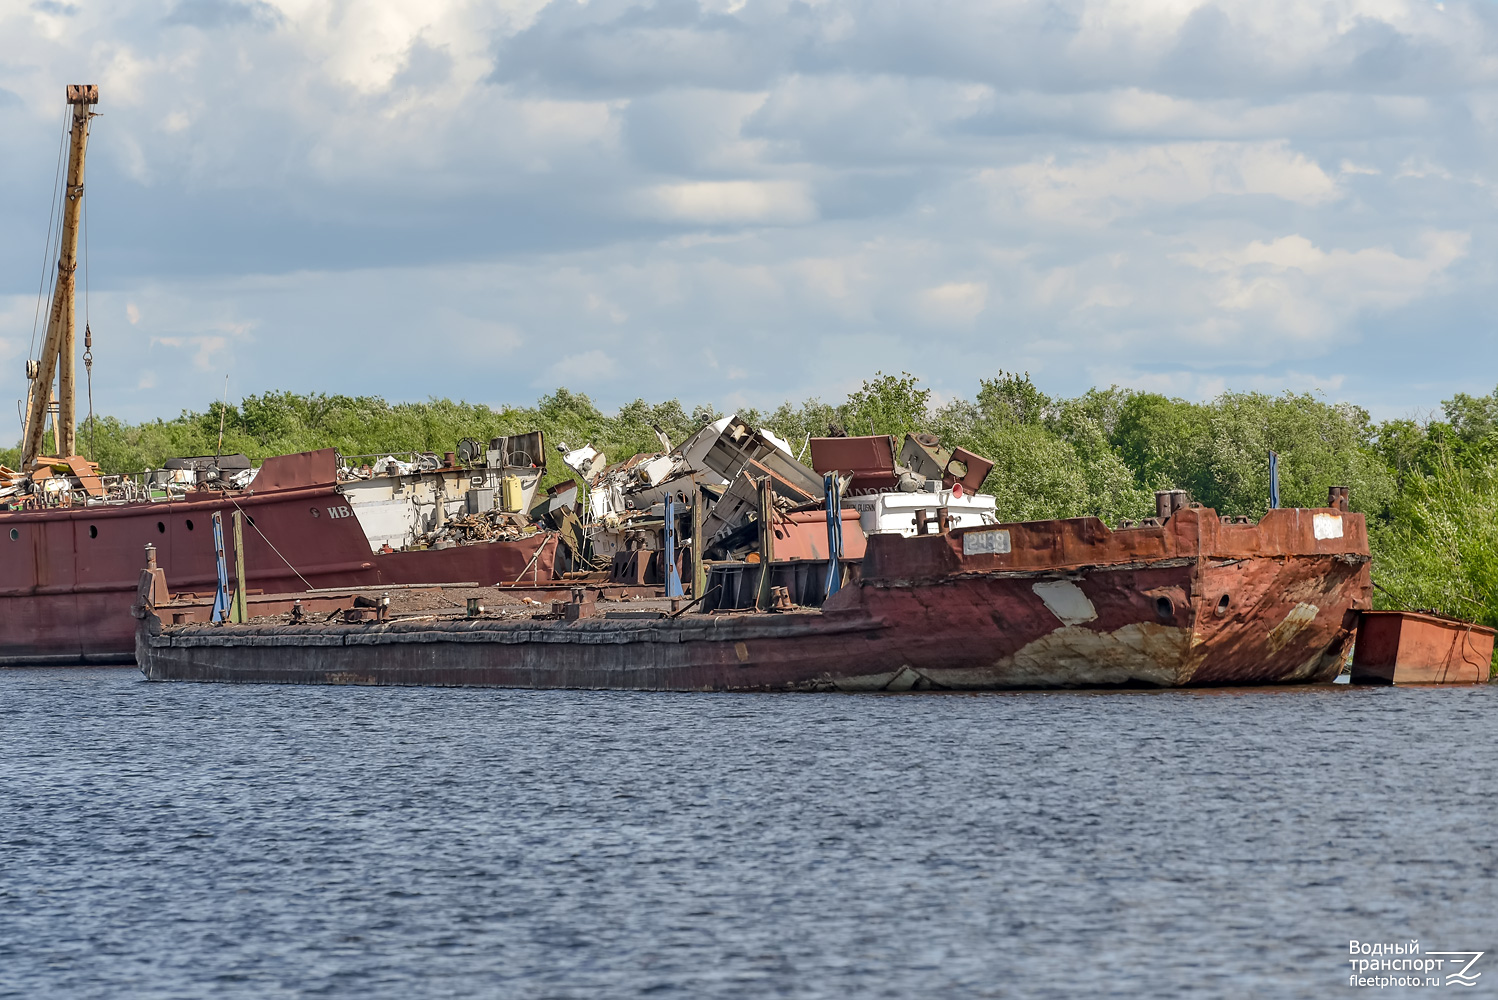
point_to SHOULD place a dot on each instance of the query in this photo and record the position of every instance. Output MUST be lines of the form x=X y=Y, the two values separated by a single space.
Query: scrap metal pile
x=76 y=482
x=59 y=482
x=725 y=472
x=485 y=526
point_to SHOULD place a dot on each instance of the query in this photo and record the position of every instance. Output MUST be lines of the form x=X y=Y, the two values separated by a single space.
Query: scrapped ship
x=1185 y=600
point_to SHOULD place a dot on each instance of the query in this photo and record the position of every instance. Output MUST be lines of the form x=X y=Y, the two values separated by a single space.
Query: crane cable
x=53 y=215
x=88 y=333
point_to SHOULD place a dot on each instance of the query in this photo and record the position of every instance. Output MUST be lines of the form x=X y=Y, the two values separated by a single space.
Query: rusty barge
x=1197 y=600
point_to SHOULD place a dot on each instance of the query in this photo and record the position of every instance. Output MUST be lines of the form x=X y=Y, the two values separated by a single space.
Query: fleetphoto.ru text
x=1384 y=964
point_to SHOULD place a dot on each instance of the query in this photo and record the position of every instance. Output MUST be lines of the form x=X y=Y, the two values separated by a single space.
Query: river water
x=176 y=840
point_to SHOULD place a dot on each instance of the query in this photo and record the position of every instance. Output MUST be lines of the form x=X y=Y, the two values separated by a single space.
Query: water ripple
x=189 y=840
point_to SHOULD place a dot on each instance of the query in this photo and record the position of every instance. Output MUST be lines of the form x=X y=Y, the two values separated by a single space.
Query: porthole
x=1222 y=606
x=14 y=534
x=1164 y=608
x=161 y=527
x=93 y=531
x=189 y=524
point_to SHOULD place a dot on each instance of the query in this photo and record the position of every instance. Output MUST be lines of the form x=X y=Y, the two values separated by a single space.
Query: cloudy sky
x=743 y=201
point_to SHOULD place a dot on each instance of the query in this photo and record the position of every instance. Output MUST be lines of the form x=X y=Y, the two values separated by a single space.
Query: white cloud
x=731 y=202
x=598 y=304
x=1309 y=291
x=207 y=351
x=1099 y=188
x=585 y=369
x=955 y=302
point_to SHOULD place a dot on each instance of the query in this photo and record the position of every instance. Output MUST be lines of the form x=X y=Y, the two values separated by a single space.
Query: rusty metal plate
x=978 y=469
x=871 y=460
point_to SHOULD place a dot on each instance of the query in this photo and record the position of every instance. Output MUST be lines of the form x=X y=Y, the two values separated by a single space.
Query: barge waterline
x=1064 y=603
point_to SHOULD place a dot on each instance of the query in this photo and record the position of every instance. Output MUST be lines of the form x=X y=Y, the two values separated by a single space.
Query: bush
x=1440 y=550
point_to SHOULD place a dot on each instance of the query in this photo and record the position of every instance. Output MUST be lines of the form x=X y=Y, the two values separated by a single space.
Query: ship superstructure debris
x=737 y=478
x=472 y=494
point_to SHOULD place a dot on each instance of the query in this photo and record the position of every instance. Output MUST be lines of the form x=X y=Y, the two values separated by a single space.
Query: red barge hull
x=1046 y=604
x=68 y=576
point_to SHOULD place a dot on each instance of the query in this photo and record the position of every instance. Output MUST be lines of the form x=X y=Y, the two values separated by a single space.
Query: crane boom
x=60 y=350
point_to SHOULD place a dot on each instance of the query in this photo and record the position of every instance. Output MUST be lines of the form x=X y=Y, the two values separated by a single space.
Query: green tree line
x=1429 y=489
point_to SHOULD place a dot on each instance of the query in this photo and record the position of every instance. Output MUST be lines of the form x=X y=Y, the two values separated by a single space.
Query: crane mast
x=60 y=350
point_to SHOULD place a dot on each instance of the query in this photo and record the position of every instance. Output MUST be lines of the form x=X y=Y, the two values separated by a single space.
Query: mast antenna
x=222 y=412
